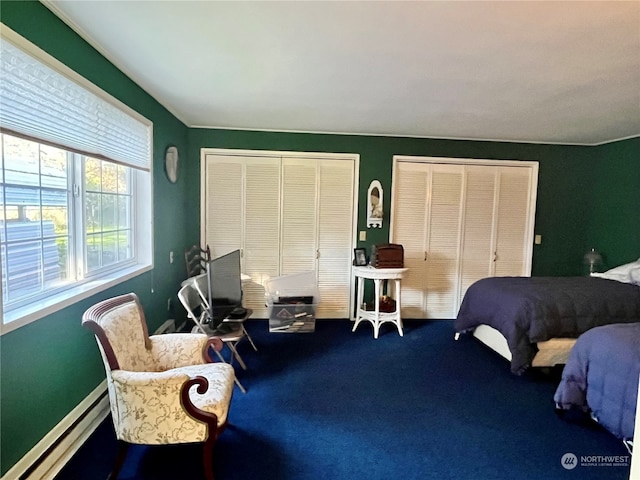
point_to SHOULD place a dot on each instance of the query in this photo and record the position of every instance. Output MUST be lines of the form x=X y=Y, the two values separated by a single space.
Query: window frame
x=142 y=220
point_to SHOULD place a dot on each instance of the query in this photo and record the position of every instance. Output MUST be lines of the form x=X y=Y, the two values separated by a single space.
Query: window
x=75 y=195
x=34 y=221
x=108 y=206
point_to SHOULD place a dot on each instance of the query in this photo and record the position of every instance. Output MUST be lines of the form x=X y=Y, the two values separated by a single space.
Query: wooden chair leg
x=207 y=456
x=122 y=453
x=207 y=417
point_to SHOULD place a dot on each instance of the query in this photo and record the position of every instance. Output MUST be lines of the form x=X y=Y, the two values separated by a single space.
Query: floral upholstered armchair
x=163 y=389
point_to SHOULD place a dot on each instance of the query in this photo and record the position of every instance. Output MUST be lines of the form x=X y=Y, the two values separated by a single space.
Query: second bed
x=534 y=321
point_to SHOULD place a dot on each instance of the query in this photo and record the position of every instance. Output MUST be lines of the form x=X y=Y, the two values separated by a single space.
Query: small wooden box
x=387 y=255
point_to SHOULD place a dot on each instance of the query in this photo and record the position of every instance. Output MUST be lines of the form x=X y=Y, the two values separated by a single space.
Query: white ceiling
x=553 y=72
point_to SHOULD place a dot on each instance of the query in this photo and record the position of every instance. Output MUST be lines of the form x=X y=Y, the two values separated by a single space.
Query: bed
x=534 y=321
x=601 y=377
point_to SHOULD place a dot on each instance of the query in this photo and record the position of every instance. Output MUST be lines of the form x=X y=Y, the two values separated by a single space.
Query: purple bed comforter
x=601 y=377
x=527 y=310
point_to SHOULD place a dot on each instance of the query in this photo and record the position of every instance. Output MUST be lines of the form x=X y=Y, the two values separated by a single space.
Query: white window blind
x=41 y=102
x=75 y=186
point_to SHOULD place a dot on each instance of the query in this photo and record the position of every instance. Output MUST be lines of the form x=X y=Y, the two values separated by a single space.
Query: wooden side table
x=376 y=317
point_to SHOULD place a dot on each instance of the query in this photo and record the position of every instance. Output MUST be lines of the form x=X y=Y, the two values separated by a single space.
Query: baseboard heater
x=45 y=460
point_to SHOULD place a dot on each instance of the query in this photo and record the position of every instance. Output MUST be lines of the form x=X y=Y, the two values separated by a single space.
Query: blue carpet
x=340 y=405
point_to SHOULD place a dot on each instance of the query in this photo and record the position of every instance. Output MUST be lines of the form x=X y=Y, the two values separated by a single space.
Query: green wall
x=586 y=196
x=614 y=228
x=51 y=365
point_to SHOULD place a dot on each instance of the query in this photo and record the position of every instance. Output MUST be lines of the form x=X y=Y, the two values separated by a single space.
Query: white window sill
x=47 y=306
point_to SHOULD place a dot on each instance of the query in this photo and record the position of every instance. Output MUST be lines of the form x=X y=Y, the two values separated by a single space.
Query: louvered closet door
x=468 y=221
x=299 y=216
x=514 y=187
x=287 y=215
x=335 y=236
x=242 y=203
x=224 y=191
x=476 y=259
x=260 y=253
x=427 y=224
x=411 y=184
x=443 y=241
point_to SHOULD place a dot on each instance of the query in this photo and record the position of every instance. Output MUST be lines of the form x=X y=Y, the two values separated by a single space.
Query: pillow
x=627 y=273
x=619 y=277
x=624 y=269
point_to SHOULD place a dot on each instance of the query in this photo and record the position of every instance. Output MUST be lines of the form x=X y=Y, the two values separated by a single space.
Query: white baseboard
x=57 y=447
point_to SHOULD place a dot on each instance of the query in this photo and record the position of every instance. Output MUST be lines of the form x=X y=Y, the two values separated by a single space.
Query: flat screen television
x=225 y=287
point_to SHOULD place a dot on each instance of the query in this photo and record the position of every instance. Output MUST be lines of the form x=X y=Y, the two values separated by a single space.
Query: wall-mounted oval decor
x=171 y=163
x=374 y=205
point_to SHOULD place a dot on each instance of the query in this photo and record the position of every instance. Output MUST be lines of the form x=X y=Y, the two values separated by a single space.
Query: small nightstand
x=376 y=317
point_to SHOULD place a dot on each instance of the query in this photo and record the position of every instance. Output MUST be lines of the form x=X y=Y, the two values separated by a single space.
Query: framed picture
x=359 y=257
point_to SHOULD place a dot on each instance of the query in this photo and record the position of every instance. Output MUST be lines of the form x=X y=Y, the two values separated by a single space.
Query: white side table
x=376 y=317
